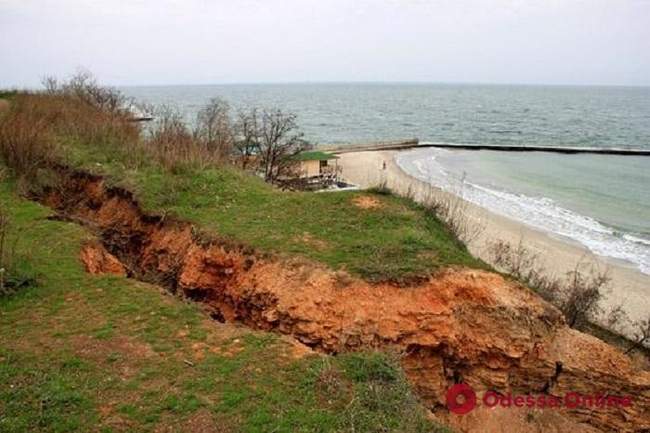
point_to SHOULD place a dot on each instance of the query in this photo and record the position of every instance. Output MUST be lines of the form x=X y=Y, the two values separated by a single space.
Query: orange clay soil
x=459 y=326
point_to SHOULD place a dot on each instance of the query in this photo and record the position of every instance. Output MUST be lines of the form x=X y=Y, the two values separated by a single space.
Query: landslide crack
x=463 y=325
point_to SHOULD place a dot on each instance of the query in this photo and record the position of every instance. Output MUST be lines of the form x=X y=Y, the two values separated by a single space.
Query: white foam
x=539 y=212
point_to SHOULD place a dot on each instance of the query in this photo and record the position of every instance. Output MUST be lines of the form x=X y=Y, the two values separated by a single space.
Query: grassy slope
x=81 y=353
x=396 y=241
x=84 y=353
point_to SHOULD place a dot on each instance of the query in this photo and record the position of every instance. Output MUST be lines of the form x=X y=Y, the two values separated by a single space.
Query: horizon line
x=407 y=82
x=357 y=82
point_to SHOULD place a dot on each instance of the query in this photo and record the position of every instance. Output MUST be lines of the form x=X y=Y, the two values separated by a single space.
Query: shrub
x=452 y=209
x=25 y=138
x=577 y=295
x=35 y=131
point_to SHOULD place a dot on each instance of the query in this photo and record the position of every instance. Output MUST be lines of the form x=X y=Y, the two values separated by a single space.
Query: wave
x=539 y=212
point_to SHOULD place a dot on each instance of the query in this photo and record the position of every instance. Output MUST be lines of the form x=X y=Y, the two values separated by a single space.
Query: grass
x=7 y=94
x=396 y=240
x=84 y=353
x=108 y=354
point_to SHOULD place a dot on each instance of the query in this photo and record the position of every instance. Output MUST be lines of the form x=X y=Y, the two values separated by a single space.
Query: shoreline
x=628 y=288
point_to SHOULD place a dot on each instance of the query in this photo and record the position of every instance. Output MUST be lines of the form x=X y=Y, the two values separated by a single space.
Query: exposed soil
x=460 y=325
x=366 y=202
x=99 y=261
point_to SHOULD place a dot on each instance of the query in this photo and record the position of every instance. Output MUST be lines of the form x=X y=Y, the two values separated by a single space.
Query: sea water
x=601 y=201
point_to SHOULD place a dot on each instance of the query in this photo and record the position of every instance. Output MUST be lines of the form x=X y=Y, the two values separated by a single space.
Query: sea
x=599 y=201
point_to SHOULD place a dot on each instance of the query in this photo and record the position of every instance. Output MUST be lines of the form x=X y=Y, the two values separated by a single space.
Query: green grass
x=7 y=94
x=395 y=241
x=82 y=353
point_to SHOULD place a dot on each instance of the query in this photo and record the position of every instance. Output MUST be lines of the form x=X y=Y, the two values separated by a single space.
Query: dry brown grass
x=172 y=144
x=26 y=141
x=39 y=127
x=34 y=131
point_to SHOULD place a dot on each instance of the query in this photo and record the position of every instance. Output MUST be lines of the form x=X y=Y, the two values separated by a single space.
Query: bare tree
x=51 y=84
x=214 y=129
x=84 y=86
x=247 y=135
x=279 y=141
x=641 y=334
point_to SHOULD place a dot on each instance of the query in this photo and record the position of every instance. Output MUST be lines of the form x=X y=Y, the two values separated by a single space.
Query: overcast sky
x=218 y=41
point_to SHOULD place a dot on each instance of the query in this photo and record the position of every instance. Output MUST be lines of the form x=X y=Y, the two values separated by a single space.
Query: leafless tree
x=247 y=135
x=51 y=84
x=214 y=129
x=279 y=141
x=84 y=86
x=641 y=334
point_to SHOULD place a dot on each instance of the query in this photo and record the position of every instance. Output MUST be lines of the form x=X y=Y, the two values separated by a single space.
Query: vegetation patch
x=187 y=174
x=105 y=353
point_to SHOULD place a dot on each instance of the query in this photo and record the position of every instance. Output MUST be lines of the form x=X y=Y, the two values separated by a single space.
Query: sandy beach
x=628 y=287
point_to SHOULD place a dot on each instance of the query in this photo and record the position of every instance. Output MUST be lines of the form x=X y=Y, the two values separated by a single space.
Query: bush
x=25 y=139
x=35 y=131
x=577 y=295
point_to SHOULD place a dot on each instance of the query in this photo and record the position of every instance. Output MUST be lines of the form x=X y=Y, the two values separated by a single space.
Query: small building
x=313 y=170
x=316 y=164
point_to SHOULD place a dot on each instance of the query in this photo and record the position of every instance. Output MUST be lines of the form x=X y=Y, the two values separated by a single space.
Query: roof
x=314 y=156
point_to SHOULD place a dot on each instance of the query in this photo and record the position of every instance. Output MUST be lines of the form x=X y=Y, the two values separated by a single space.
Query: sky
x=140 y=42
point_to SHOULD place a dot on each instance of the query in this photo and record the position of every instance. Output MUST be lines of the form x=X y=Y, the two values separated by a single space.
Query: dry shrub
x=580 y=296
x=176 y=148
x=85 y=88
x=453 y=210
x=169 y=141
x=78 y=112
x=577 y=295
x=33 y=133
x=93 y=114
x=25 y=138
x=641 y=338
x=523 y=264
x=4 y=106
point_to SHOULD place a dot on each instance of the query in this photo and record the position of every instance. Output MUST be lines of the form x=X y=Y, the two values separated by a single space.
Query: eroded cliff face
x=459 y=326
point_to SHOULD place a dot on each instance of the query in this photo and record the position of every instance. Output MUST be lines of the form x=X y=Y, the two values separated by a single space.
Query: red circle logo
x=461 y=399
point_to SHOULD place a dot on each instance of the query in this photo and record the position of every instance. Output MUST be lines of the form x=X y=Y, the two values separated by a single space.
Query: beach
x=628 y=287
